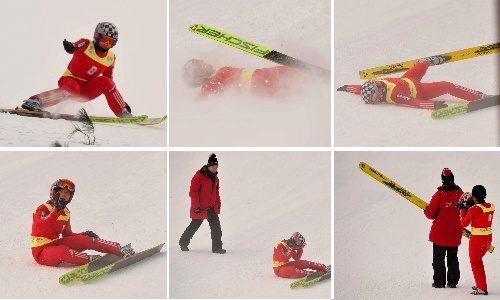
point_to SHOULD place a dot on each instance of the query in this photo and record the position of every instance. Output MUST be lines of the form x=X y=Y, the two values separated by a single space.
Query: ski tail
x=464 y=108
x=120 y=264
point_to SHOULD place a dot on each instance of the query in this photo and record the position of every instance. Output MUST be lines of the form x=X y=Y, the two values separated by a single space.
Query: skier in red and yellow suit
x=51 y=219
x=293 y=248
x=481 y=217
x=265 y=82
x=409 y=90
x=82 y=77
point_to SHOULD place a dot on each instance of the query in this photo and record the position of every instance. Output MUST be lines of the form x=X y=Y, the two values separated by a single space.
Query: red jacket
x=481 y=217
x=446 y=229
x=283 y=253
x=87 y=63
x=263 y=82
x=204 y=193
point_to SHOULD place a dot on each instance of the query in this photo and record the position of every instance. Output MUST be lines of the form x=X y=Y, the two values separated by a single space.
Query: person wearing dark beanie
x=480 y=217
x=446 y=231
x=205 y=204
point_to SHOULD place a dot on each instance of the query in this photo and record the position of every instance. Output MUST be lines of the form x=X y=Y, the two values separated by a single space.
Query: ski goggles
x=65 y=183
x=105 y=40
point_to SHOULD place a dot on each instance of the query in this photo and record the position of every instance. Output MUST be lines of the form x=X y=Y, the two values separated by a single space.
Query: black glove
x=90 y=233
x=59 y=204
x=68 y=46
x=197 y=210
x=439 y=104
x=127 y=107
x=342 y=88
x=460 y=205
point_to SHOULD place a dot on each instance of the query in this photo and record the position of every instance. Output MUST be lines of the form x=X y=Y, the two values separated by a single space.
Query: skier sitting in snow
x=408 y=90
x=476 y=211
x=267 y=82
x=82 y=77
x=52 y=219
x=293 y=248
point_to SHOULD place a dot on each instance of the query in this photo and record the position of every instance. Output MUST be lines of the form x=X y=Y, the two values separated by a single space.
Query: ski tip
x=362 y=165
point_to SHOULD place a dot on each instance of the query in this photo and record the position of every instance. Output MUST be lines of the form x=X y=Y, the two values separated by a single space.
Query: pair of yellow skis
x=375 y=174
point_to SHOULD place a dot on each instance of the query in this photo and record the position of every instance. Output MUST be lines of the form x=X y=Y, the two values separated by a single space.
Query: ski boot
x=32 y=104
x=219 y=251
x=93 y=257
x=126 y=251
x=478 y=291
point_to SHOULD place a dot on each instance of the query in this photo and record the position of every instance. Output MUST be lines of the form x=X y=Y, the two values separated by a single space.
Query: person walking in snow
x=409 y=90
x=52 y=219
x=446 y=231
x=205 y=204
x=265 y=82
x=478 y=214
x=90 y=60
x=293 y=248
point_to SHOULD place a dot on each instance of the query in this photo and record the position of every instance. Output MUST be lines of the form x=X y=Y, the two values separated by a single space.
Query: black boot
x=220 y=251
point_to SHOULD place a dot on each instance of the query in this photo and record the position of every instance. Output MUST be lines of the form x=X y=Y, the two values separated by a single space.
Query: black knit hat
x=212 y=160
x=447 y=176
x=479 y=192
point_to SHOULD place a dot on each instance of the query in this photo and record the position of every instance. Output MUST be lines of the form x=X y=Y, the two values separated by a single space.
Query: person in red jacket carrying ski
x=446 y=231
x=409 y=90
x=52 y=219
x=205 y=204
x=478 y=214
x=266 y=82
x=293 y=248
x=82 y=81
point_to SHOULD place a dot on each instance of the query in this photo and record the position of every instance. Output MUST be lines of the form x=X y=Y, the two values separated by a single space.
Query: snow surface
x=119 y=195
x=301 y=29
x=34 y=59
x=265 y=197
x=374 y=33
x=382 y=249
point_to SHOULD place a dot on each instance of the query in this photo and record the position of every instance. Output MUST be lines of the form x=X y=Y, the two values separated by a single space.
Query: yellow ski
x=449 y=57
x=256 y=49
x=404 y=192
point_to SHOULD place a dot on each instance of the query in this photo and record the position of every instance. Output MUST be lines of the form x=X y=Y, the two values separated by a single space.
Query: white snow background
x=375 y=33
x=265 y=197
x=382 y=249
x=301 y=29
x=33 y=59
x=121 y=196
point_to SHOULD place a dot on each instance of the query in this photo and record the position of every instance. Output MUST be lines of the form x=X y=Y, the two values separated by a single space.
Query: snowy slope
x=382 y=249
x=35 y=59
x=119 y=195
x=374 y=33
x=265 y=197
x=298 y=28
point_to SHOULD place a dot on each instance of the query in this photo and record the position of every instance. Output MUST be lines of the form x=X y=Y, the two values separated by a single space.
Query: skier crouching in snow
x=265 y=82
x=474 y=209
x=409 y=90
x=446 y=231
x=51 y=219
x=293 y=248
x=82 y=77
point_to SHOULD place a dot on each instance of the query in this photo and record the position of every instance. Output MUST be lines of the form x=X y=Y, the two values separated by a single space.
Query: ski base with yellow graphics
x=449 y=57
x=256 y=49
x=375 y=174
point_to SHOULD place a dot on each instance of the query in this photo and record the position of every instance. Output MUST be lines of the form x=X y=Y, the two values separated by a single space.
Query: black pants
x=215 y=230
x=439 y=252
